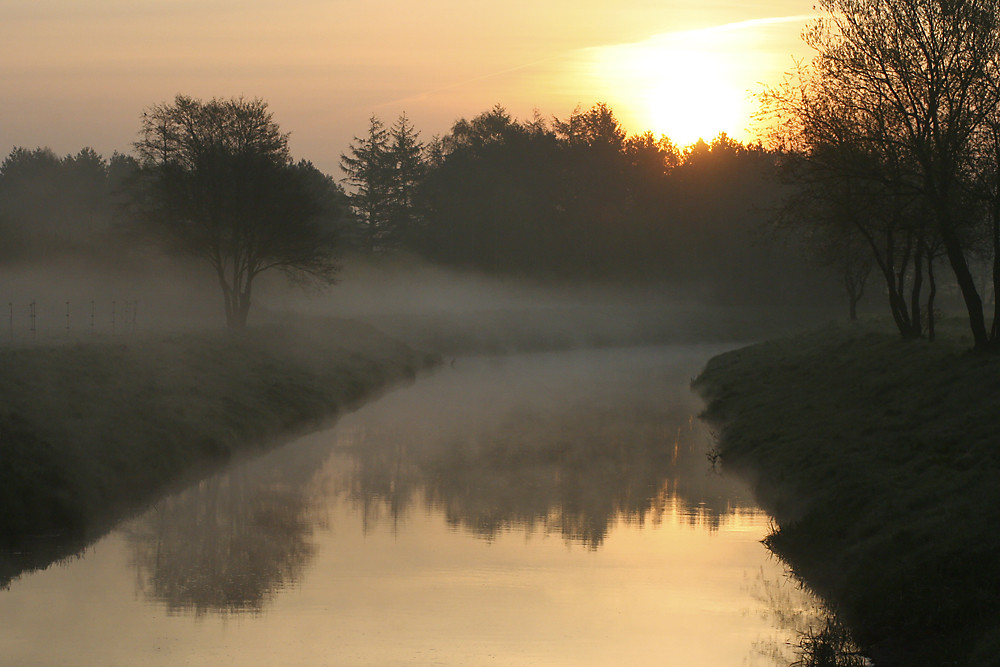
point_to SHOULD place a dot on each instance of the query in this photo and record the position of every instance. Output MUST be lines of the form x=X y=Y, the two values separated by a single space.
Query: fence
x=36 y=321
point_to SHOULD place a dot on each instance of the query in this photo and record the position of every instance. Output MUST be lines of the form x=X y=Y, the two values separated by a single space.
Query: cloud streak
x=737 y=26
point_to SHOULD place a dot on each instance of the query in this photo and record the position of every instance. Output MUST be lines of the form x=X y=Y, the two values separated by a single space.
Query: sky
x=75 y=74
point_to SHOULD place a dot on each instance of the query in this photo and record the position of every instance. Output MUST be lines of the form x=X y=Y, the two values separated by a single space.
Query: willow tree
x=910 y=84
x=218 y=182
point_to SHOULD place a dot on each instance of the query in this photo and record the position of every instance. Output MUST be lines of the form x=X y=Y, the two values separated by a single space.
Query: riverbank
x=880 y=460
x=90 y=431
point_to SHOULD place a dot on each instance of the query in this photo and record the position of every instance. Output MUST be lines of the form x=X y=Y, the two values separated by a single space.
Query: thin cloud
x=737 y=26
x=419 y=97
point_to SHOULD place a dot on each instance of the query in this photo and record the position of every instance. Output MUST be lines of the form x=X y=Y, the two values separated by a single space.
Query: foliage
x=51 y=205
x=385 y=169
x=831 y=646
x=577 y=198
x=367 y=167
x=218 y=183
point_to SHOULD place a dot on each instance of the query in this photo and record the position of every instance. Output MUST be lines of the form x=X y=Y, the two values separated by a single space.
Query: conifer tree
x=368 y=165
x=406 y=157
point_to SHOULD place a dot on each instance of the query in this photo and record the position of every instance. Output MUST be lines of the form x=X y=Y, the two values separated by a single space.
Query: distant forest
x=882 y=167
x=556 y=200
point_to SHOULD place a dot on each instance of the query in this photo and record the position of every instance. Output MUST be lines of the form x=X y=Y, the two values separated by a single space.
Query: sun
x=685 y=86
x=690 y=102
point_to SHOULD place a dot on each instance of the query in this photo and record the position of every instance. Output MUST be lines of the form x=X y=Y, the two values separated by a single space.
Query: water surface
x=543 y=509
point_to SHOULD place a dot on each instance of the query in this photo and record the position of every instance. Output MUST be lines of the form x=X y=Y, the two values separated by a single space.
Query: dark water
x=548 y=509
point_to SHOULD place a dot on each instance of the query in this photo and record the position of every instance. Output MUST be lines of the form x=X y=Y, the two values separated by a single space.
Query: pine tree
x=368 y=165
x=408 y=167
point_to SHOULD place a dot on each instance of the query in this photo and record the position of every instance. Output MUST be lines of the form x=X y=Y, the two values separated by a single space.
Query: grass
x=880 y=460
x=92 y=431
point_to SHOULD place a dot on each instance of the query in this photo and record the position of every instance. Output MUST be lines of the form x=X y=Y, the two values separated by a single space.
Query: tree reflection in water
x=228 y=543
x=492 y=449
x=578 y=484
x=573 y=464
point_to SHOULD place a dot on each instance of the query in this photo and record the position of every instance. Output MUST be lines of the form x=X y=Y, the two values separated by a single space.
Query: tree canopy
x=54 y=205
x=218 y=183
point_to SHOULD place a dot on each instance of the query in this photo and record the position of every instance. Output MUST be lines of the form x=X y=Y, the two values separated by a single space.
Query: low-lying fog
x=430 y=307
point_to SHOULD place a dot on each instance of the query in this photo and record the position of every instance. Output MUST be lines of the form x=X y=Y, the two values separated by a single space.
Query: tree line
x=52 y=205
x=558 y=199
x=888 y=143
x=573 y=198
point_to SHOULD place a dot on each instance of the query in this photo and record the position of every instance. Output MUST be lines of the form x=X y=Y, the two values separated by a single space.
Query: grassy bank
x=880 y=461
x=90 y=431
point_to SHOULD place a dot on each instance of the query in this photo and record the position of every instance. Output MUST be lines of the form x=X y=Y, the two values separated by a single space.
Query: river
x=538 y=509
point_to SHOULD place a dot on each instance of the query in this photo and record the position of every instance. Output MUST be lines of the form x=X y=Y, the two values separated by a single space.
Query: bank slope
x=89 y=431
x=880 y=460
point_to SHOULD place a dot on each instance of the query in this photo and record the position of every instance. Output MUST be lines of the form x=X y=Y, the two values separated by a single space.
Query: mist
x=136 y=291
x=463 y=312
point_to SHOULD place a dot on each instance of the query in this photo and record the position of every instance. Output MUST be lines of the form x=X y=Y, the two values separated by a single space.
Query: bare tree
x=909 y=84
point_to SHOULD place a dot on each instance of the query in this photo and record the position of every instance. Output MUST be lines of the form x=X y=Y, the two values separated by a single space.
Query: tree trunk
x=893 y=279
x=240 y=301
x=931 y=293
x=966 y=283
x=243 y=311
x=918 y=279
x=227 y=297
x=995 y=329
x=855 y=284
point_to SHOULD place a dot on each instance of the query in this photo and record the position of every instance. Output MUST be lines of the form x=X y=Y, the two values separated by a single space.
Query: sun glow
x=688 y=85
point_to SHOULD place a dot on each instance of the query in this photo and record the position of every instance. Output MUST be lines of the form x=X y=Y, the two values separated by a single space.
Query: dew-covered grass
x=880 y=460
x=91 y=430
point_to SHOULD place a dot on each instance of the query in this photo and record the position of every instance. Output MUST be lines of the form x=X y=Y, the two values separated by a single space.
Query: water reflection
x=543 y=509
x=818 y=639
x=228 y=543
x=576 y=472
x=541 y=444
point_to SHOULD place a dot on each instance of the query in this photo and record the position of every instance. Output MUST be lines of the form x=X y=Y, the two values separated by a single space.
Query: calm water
x=548 y=509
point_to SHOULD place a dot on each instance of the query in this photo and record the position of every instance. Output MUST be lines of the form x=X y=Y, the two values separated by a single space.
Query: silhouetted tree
x=595 y=200
x=406 y=172
x=51 y=205
x=911 y=85
x=596 y=127
x=219 y=184
x=576 y=198
x=368 y=167
x=490 y=195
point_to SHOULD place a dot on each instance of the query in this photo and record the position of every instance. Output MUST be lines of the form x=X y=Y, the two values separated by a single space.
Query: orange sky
x=79 y=73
